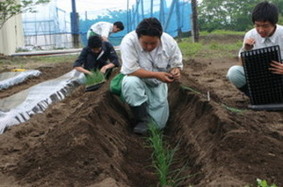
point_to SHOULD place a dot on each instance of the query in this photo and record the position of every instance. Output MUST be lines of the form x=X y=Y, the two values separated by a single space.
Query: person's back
x=104 y=29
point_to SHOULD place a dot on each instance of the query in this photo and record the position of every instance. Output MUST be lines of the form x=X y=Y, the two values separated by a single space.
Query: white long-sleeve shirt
x=102 y=28
x=166 y=56
x=260 y=42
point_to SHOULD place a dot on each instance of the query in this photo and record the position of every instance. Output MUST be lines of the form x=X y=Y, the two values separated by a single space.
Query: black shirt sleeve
x=113 y=57
x=81 y=60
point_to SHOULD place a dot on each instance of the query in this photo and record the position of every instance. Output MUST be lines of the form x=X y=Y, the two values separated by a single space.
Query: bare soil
x=87 y=139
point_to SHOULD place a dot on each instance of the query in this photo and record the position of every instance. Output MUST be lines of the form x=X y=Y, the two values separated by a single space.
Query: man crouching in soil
x=150 y=60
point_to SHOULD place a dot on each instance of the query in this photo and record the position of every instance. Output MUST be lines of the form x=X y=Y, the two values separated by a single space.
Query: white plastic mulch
x=19 y=107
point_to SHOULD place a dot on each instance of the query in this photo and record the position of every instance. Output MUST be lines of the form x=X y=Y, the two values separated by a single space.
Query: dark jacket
x=91 y=61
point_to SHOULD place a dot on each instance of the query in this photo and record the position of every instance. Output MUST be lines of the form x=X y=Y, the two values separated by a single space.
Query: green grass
x=163 y=158
x=263 y=183
x=209 y=49
x=190 y=89
x=227 y=47
x=190 y=49
x=29 y=62
x=222 y=32
x=96 y=77
x=56 y=59
x=235 y=110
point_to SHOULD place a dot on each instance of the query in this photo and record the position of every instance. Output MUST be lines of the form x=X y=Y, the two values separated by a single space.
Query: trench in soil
x=95 y=142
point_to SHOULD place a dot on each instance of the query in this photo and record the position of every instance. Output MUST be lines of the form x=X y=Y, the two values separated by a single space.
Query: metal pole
x=161 y=12
x=151 y=8
x=142 y=9
x=75 y=25
x=178 y=15
x=170 y=14
x=195 y=28
x=128 y=20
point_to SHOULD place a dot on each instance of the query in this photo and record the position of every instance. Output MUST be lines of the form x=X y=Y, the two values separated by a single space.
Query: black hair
x=119 y=25
x=149 y=27
x=94 y=42
x=265 y=11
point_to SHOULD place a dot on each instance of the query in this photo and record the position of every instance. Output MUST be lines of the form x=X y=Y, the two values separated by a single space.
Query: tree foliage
x=10 y=8
x=228 y=14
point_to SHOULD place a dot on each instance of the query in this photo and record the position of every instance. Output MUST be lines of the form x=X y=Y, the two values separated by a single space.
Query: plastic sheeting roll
x=8 y=79
x=19 y=107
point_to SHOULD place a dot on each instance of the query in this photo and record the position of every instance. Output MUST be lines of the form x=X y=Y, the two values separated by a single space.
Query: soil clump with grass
x=87 y=139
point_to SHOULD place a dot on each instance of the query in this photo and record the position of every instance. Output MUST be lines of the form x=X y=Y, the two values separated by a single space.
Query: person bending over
x=98 y=55
x=104 y=29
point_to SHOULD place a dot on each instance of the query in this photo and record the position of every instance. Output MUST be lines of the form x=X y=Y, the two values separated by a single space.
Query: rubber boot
x=245 y=90
x=142 y=119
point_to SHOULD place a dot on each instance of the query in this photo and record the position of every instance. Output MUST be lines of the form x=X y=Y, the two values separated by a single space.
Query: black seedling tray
x=265 y=88
x=94 y=87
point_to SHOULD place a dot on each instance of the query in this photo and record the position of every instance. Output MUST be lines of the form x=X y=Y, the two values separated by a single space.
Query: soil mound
x=81 y=141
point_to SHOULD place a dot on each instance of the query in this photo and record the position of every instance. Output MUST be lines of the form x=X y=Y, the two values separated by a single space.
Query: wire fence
x=50 y=27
